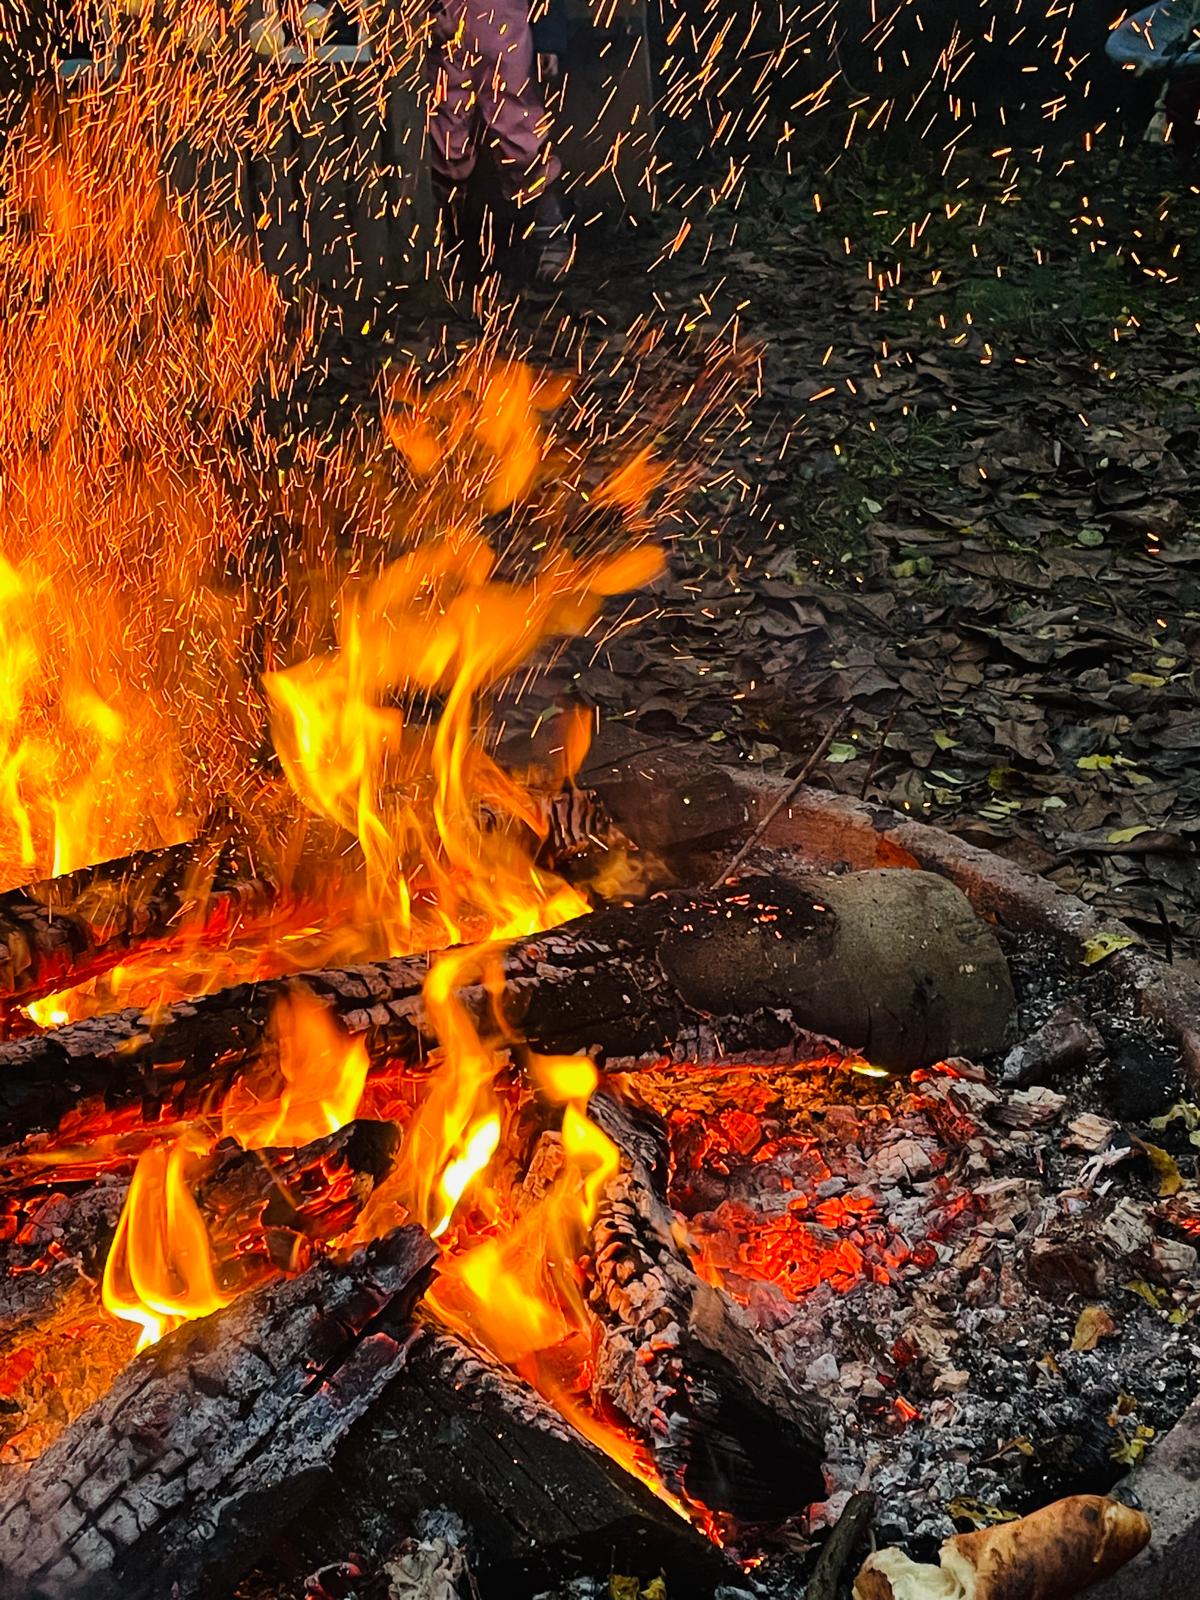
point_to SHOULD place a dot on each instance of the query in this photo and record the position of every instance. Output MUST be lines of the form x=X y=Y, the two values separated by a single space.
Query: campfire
x=428 y=1150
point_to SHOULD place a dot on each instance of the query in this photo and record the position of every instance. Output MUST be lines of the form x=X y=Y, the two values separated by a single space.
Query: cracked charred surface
x=540 y=1503
x=65 y=930
x=677 y=1358
x=58 y=933
x=265 y=1211
x=180 y=1473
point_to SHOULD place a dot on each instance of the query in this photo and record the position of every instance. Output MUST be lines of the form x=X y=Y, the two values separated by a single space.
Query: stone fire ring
x=697 y=813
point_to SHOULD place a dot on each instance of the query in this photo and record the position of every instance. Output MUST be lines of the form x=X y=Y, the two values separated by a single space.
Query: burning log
x=211 y=1439
x=265 y=1211
x=56 y=1241
x=261 y=1208
x=64 y=931
x=754 y=969
x=676 y=1357
x=540 y=1503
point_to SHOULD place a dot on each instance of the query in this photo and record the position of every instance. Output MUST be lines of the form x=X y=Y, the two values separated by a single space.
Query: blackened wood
x=63 y=931
x=211 y=1439
x=270 y=1210
x=594 y=984
x=757 y=969
x=677 y=1358
x=455 y=1431
x=54 y=1242
x=264 y=1211
x=1065 y=1041
x=848 y=1534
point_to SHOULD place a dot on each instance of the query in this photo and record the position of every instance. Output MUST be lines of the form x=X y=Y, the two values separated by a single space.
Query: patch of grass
x=1086 y=297
x=837 y=494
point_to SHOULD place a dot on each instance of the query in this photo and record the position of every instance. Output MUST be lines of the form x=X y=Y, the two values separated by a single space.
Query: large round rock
x=894 y=963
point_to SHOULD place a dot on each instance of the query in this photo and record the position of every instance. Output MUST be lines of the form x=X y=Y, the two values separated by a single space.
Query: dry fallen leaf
x=1104 y=945
x=1094 y=1323
x=1166 y=1168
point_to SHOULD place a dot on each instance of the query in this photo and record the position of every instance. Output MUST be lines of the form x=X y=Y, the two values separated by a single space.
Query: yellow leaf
x=656 y=1589
x=1148 y=680
x=1166 y=1168
x=622 y=1588
x=967 y=1509
x=1104 y=945
x=1102 y=763
x=1155 y=1298
x=1093 y=1324
x=944 y=741
x=1124 y=835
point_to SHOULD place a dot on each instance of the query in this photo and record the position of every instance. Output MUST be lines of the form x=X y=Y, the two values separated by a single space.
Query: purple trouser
x=485 y=87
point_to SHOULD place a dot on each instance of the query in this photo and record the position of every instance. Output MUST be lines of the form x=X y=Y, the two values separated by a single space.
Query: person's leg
x=518 y=129
x=1183 y=108
x=454 y=73
x=510 y=97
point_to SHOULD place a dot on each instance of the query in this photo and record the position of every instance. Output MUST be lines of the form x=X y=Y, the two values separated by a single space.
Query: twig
x=835 y=727
x=840 y=1546
x=1169 y=952
x=877 y=753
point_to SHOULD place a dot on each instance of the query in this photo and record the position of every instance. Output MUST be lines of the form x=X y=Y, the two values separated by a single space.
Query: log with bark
x=64 y=931
x=61 y=932
x=456 y=1432
x=761 y=969
x=262 y=1210
x=210 y=1440
x=678 y=1359
x=265 y=1211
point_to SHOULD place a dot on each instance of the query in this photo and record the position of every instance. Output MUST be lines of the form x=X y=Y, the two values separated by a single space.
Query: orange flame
x=122 y=703
x=323 y=1075
x=138 y=622
x=160 y=1269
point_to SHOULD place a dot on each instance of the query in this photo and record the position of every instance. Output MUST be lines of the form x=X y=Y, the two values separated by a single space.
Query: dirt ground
x=963 y=508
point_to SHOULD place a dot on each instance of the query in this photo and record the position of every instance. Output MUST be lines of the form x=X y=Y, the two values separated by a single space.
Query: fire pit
x=965 y=1283
x=435 y=1169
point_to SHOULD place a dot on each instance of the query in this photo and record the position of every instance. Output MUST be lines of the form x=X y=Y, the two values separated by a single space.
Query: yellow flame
x=160 y=1269
x=319 y=1083
x=481 y=1145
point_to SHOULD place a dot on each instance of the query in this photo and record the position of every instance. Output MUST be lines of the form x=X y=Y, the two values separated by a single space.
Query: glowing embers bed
x=796 y=1278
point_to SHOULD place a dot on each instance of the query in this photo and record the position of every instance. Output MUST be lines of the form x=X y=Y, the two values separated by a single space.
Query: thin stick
x=877 y=753
x=839 y=1547
x=835 y=727
x=1169 y=952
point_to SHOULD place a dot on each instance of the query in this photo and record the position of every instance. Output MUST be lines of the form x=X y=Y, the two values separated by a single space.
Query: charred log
x=756 y=969
x=454 y=1431
x=64 y=931
x=266 y=1212
x=677 y=1358
x=61 y=932
x=209 y=1440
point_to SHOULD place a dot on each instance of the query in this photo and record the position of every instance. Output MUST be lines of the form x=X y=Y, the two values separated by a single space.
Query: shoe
x=552 y=238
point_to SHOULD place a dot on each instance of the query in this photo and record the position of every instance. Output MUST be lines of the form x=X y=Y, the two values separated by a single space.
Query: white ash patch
x=919 y=1254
